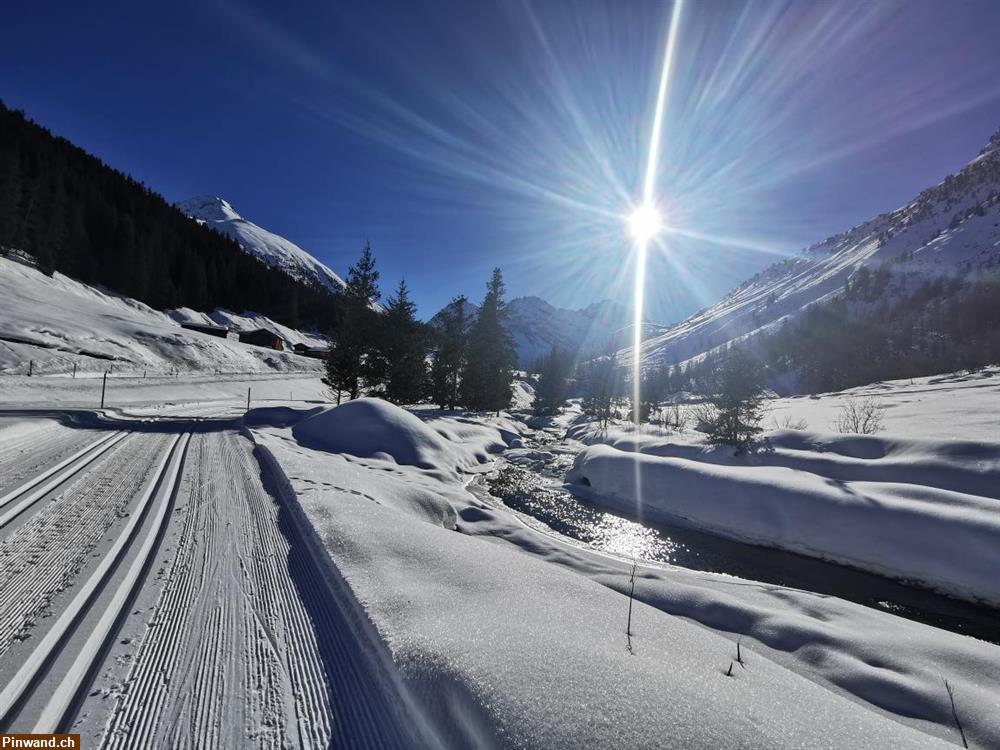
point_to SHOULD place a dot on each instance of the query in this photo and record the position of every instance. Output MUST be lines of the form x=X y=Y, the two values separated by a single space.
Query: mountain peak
x=992 y=144
x=274 y=250
x=209 y=208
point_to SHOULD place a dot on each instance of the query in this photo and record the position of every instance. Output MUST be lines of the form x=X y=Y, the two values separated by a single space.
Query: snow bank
x=858 y=502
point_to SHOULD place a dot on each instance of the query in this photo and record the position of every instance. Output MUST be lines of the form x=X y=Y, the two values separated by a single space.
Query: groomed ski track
x=154 y=594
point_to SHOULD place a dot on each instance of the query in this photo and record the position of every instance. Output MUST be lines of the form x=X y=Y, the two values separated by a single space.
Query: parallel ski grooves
x=36 y=663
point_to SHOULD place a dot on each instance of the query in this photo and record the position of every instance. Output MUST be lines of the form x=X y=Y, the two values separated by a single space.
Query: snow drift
x=925 y=511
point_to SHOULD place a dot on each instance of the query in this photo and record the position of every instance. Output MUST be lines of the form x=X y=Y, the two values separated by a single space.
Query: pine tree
x=402 y=348
x=553 y=383
x=487 y=380
x=449 y=354
x=349 y=359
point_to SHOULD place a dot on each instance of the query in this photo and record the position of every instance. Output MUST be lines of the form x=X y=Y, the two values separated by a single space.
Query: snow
x=271 y=248
x=514 y=638
x=918 y=502
x=372 y=428
x=868 y=512
x=250 y=321
x=955 y=406
x=58 y=322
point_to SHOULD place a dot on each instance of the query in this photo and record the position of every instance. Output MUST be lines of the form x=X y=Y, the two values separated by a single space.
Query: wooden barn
x=221 y=331
x=315 y=352
x=263 y=337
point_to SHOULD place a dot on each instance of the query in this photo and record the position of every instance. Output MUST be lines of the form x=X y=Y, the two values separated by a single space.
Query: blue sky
x=461 y=135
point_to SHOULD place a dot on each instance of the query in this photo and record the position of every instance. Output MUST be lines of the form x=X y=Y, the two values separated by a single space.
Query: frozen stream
x=531 y=484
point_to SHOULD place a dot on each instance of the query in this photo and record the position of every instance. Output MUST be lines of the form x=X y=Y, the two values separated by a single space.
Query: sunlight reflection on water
x=553 y=506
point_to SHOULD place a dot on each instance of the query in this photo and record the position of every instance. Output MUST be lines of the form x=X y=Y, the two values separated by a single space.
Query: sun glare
x=644 y=223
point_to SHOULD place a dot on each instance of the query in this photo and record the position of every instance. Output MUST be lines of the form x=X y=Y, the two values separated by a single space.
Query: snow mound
x=372 y=428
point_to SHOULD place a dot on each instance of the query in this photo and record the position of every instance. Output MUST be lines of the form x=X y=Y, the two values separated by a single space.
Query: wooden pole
x=104 y=386
x=74 y=369
x=248 y=399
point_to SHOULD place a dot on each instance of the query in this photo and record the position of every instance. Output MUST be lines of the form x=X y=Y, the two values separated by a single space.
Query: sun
x=644 y=223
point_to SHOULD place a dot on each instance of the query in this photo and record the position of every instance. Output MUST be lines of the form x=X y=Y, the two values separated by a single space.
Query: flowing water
x=535 y=491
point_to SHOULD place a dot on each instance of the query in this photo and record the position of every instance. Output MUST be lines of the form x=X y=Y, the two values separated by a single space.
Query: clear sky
x=461 y=135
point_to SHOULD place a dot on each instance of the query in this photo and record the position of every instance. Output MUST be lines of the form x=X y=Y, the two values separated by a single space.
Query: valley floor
x=178 y=575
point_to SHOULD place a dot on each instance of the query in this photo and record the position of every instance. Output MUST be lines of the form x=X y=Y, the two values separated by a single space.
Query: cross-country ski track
x=153 y=593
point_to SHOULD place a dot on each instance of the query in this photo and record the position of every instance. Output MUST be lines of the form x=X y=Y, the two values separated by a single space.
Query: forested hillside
x=79 y=216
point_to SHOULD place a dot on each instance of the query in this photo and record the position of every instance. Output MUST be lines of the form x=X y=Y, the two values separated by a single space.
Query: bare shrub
x=862 y=416
x=675 y=418
x=704 y=415
x=788 y=422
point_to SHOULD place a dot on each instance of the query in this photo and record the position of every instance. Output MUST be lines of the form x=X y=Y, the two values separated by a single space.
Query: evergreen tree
x=449 y=354
x=351 y=356
x=735 y=388
x=487 y=380
x=402 y=349
x=553 y=382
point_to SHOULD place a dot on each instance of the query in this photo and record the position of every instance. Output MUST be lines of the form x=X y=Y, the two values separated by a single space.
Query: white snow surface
x=58 y=322
x=271 y=248
x=515 y=638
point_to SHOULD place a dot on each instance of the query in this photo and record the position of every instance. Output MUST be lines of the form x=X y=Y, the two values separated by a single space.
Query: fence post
x=248 y=399
x=104 y=385
x=31 y=367
x=74 y=369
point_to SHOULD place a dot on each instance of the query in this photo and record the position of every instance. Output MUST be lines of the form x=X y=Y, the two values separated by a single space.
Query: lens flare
x=645 y=221
x=644 y=224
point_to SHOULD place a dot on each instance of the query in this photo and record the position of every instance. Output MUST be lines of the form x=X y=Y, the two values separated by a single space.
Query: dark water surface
x=537 y=493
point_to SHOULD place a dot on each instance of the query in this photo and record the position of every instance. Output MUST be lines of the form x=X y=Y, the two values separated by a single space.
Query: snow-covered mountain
x=951 y=229
x=536 y=326
x=272 y=249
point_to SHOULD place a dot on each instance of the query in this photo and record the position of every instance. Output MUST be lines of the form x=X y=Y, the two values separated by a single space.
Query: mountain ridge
x=949 y=229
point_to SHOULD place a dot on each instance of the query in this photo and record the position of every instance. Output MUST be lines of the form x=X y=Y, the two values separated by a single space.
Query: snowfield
x=57 y=323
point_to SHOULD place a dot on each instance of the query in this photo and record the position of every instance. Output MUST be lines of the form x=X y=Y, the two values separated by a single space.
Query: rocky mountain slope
x=951 y=229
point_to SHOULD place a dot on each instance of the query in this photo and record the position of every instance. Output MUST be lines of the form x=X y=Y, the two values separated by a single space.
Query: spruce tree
x=550 y=393
x=349 y=358
x=449 y=354
x=402 y=349
x=489 y=369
